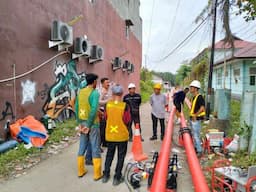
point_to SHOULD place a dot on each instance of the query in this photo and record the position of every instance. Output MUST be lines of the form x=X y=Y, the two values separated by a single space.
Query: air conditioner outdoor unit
x=130 y=68
x=126 y=65
x=97 y=54
x=117 y=63
x=82 y=47
x=61 y=35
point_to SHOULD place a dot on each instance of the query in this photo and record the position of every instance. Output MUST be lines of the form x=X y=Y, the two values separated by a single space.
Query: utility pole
x=209 y=92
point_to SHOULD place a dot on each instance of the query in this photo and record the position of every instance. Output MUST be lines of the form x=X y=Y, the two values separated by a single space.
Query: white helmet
x=196 y=84
x=131 y=85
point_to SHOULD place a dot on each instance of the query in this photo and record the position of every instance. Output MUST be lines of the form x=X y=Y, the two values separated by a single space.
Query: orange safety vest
x=192 y=111
x=116 y=130
x=84 y=107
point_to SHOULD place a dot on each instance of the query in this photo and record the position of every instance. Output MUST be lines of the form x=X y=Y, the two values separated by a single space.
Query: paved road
x=59 y=172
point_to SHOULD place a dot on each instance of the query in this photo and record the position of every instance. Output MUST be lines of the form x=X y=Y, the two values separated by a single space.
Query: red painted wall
x=24 y=34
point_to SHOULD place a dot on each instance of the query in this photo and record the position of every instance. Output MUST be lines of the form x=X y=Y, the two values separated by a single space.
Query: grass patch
x=243 y=159
x=20 y=155
x=235 y=110
x=14 y=156
x=63 y=130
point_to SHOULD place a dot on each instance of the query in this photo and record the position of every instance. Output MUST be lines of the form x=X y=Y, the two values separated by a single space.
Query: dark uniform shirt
x=200 y=102
x=179 y=96
x=134 y=102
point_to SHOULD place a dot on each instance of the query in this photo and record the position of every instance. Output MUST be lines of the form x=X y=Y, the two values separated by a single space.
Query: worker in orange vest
x=118 y=117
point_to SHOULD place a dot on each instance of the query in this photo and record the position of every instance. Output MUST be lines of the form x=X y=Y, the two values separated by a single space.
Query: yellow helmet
x=157 y=86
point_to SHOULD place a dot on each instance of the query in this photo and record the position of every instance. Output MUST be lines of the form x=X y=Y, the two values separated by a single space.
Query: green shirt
x=94 y=104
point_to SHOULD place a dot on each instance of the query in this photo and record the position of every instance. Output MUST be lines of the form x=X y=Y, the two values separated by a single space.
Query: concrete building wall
x=129 y=9
x=24 y=34
x=237 y=77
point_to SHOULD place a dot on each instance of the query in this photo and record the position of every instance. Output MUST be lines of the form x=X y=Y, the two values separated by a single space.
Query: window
x=252 y=74
x=219 y=78
x=236 y=75
x=237 y=72
x=128 y=24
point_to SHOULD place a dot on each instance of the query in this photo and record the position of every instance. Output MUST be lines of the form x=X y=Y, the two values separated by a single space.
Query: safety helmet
x=157 y=86
x=196 y=84
x=131 y=85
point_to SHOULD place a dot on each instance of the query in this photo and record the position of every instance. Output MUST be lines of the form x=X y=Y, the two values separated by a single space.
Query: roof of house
x=243 y=49
x=238 y=43
x=248 y=51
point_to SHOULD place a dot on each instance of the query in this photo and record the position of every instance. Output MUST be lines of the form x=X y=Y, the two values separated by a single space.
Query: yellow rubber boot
x=81 y=166
x=97 y=169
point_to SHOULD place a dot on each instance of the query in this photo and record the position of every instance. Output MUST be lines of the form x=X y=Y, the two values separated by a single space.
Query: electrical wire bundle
x=135 y=172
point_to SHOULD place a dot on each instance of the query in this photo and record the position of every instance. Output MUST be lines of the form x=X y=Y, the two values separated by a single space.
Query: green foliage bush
x=235 y=110
x=146 y=85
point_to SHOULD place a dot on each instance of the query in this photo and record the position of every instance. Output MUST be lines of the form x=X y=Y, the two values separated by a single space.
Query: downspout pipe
x=200 y=184
x=161 y=170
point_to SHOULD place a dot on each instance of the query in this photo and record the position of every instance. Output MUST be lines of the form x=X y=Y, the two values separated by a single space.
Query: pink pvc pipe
x=161 y=170
x=198 y=178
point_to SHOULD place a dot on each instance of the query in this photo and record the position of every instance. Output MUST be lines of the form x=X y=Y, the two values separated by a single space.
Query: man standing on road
x=104 y=97
x=197 y=113
x=158 y=102
x=133 y=100
x=87 y=115
x=118 y=117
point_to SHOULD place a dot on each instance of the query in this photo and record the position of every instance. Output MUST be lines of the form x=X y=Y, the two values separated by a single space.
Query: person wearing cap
x=86 y=107
x=133 y=99
x=158 y=102
x=117 y=134
x=197 y=113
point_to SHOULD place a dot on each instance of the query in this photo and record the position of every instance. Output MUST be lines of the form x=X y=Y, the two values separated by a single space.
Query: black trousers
x=102 y=132
x=121 y=152
x=135 y=118
x=162 y=124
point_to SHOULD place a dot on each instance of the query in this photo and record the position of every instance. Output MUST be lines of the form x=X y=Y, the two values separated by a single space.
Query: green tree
x=182 y=73
x=248 y=8
x=166 y=76
x=146 y=84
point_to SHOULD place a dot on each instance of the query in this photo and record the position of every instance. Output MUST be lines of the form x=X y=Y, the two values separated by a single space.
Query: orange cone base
x=167 y=190
x=140 y=157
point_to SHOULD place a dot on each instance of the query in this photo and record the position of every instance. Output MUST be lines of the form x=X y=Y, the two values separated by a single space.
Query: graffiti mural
x=7 y=111
x=28 y=91
x=62 y=94
x=43 y=93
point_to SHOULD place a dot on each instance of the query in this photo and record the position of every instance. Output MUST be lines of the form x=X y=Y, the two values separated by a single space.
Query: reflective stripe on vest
x=192 y=114
x=116 y=130
x=84 y=107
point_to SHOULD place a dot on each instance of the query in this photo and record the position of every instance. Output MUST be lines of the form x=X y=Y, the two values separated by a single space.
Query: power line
x=203 y=37
x=182 y=42
x=173 y=23
x=150 y=26
x=178 y=47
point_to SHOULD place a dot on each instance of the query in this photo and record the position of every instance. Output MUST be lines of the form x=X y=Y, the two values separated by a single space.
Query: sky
x=166 y=23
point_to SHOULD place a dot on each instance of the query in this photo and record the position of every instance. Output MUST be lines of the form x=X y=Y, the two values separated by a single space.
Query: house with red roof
x=235 y=70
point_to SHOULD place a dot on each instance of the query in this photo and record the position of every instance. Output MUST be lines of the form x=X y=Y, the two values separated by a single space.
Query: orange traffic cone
x=137 y=150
